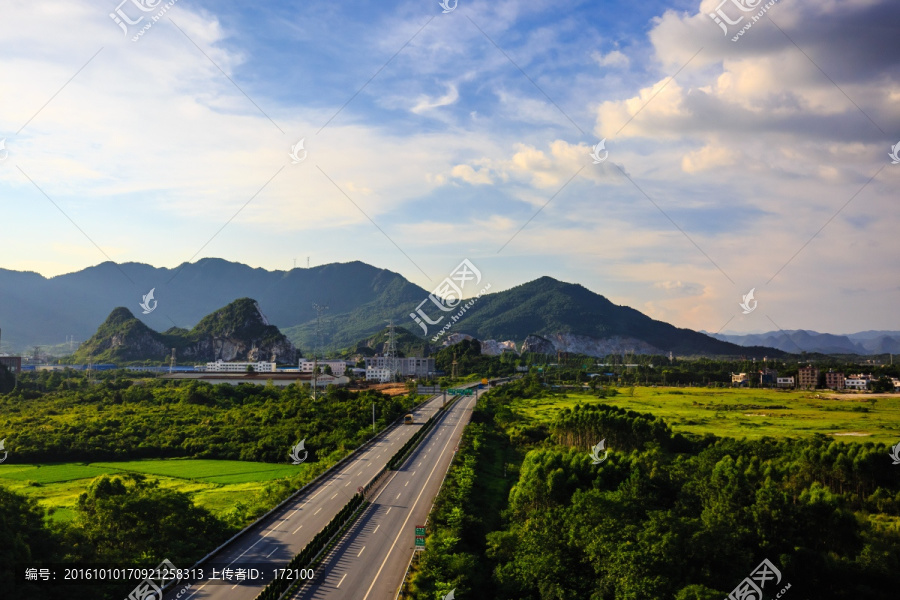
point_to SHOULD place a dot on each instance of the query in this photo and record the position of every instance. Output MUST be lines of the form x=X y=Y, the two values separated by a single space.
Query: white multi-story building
x=338 y=367
x=220 y=366
x=856 y=384
x=409 y=366
x=784 y=382
x=379 y=374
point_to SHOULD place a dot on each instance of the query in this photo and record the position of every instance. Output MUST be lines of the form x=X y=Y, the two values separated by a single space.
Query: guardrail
x=303 y=489
x=279 y=588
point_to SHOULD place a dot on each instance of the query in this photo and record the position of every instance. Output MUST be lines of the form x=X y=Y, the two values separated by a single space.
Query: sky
x=471 y=130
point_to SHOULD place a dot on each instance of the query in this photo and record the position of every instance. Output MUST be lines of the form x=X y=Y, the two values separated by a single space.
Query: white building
x=784 y=382
x=221 y=366
x=856 y=384
x=338 y=367
x=410 y=366
x=378 y=374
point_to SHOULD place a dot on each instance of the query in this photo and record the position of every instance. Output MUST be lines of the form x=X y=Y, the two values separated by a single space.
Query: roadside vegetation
x=665 y=515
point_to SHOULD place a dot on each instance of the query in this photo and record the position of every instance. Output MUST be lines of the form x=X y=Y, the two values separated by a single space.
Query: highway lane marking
x=413 y=474
x=318 y=511
x=376 y=528
x=271 y=553
x=398 y=496
x=360 y=552
x=406 y=484
x=341 y=581
x=335 y=496
x=360 y=473
x=389 y=510
x=408 y=516
x=345 y=485
x=298 y=529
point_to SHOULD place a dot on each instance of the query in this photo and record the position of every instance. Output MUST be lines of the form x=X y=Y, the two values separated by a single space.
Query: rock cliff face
x=495 y=348
x=582 y=344
x=238 y=331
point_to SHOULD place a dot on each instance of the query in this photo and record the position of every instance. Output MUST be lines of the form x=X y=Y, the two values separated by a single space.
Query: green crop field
x=747 y=413
x=213 y=484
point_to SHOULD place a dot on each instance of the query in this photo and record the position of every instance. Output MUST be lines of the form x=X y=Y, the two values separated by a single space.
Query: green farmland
x=217 y=485
x=746 y=413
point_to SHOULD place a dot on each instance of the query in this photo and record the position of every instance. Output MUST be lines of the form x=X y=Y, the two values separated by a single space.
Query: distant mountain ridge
x=238 y=331
x=360 y=300
x=801 y=340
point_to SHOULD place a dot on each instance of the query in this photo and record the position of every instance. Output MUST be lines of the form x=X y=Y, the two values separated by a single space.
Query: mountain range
x=355 y=301
x=801 y=340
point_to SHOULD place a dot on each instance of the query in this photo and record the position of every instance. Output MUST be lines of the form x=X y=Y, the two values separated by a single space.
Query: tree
x=126 y=518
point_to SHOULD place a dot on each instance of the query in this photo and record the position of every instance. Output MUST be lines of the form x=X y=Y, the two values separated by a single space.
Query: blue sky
x=761 y=163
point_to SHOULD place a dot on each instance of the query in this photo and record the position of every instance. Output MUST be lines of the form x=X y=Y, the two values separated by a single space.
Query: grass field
x=748 y=413
x=214 y=484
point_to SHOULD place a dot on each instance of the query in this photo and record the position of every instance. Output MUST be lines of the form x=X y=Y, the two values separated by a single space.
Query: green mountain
x=238 y=331
x=570 y=317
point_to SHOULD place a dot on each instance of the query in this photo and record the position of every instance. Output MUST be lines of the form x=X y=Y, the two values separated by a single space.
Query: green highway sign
x=460 y=392
x=420 y=536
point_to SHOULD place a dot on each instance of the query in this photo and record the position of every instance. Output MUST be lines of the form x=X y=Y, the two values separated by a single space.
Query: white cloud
x=614 y=58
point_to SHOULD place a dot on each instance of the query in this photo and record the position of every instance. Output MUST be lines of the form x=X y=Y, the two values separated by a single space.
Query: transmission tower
x=390 y=353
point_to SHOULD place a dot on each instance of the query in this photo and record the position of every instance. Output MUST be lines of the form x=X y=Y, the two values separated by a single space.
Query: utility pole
x=172 y=362
x=373 y=416
x=319 y=309
x=453 y=369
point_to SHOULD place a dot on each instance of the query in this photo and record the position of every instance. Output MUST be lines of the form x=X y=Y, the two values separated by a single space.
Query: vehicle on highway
x=408 y=419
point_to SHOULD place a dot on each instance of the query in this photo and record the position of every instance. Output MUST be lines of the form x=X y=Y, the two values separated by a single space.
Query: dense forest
x=664 y=516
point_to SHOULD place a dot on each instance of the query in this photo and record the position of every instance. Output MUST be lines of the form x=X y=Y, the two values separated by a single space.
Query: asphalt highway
x=370 y=560
x=283 y=534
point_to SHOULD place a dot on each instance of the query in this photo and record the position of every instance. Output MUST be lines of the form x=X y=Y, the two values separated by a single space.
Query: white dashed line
x=341 y=581
x=389 y=510
x=398 y=495
x=406 y=484
x=360 y=552
x=318 y=511
x=298 y=529
x=333 y=497
x=271 y=553
x=376 y=528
